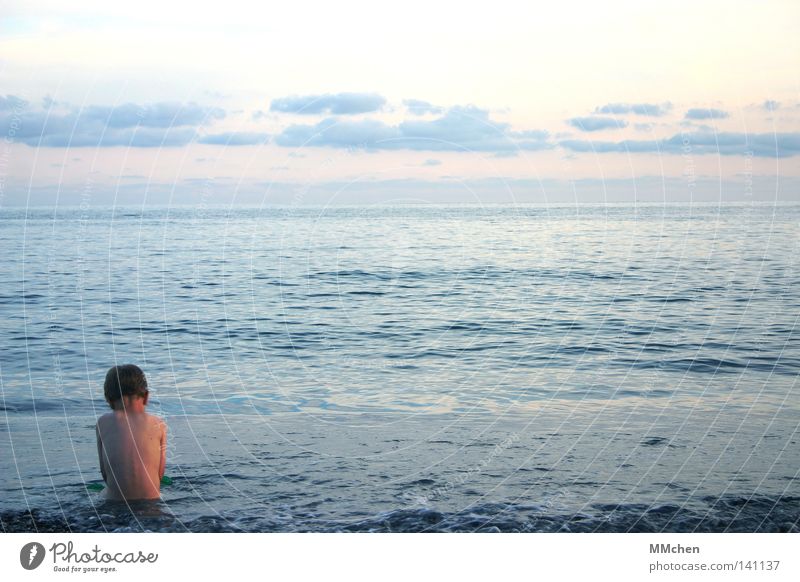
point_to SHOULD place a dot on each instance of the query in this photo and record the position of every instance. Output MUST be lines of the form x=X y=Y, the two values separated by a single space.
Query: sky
x=413 y=102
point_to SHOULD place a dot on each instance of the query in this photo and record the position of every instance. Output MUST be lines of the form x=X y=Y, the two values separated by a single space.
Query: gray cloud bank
x=649 y=109
x=703 y=113
x=417 y=107
x=334 y=104
x=155 y=125
x=235 y=138
x=655 y=190
x=768 y=145
x=594 y=123
x=459 y=129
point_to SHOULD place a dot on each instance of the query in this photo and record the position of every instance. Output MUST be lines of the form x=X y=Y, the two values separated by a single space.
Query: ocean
x=627 y=367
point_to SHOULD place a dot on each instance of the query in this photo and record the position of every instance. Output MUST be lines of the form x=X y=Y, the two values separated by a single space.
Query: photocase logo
x=31 y=555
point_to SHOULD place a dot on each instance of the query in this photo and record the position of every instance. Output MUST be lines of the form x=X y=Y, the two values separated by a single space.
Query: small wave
x=354 y=274
x=669 y=299
x=723 y=515
x=698 y=365
x=369 y=293
x=422 y=482
x=40 y=404
x=656 y=442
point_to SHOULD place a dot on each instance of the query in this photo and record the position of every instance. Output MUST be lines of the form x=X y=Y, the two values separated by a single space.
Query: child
x=132 y=444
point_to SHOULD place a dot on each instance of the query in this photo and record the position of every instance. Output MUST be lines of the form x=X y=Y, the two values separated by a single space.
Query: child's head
x=122 y=381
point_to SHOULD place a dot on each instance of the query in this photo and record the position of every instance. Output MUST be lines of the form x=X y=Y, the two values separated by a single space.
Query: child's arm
x=163 y=465
x=100 y=453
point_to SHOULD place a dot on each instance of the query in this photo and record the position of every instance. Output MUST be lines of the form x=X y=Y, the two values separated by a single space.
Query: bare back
x=132 y=450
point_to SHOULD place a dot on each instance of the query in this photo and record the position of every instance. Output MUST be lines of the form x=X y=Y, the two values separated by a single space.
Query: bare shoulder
x=156 y=421
x=104 y=420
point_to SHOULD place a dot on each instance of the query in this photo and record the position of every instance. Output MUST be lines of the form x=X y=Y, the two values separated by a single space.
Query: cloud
x=155 y=115
x=766 y=145
x=432 y=162
x=39 y=130
x=703 y=113
x=155 y=125
x=653 y=189
x=770 y=105
x=468 y=128
x=704 y=127
x=335 y=104
x=334 y=133
x=417 y=107
x=12 y=102
x=235 y=138
x=596 y=123
x=459 y=129
x=650 y=109
x=583 y=146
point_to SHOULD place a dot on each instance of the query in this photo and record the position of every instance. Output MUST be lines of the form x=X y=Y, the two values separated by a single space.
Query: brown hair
x=126 y=380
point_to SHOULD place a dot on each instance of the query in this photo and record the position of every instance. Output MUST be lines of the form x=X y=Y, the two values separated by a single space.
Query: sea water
x=410 y=368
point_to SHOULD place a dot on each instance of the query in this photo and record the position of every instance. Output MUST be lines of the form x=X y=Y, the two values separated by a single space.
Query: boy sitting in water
x=132 y=444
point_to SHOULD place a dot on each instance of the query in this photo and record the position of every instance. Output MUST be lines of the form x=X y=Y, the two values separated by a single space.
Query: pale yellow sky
x=531 y=67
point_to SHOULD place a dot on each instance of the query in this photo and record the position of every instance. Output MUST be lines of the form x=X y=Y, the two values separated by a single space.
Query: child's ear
x=146 y=397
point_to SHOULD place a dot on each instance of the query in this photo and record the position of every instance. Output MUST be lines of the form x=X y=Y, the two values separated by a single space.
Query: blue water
x=449 y=368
